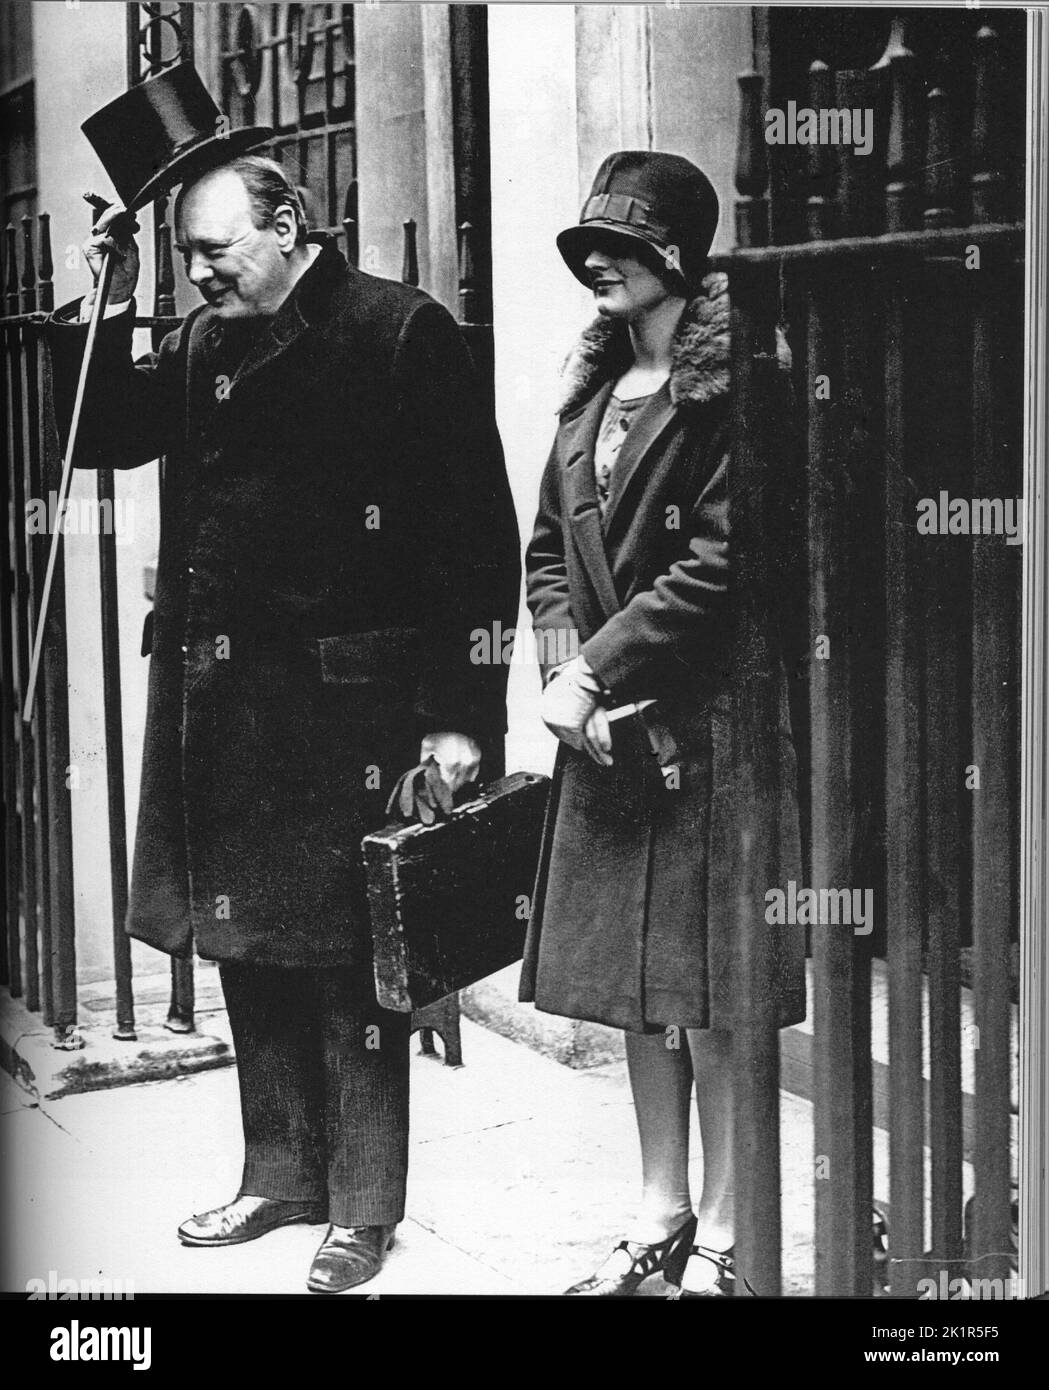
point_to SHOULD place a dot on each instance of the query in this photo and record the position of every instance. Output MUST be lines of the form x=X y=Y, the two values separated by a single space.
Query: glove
x=113 y=232
x=420 y=794
x=598 y=737
x=458 y=757
x=568 y=701
x=426 y=792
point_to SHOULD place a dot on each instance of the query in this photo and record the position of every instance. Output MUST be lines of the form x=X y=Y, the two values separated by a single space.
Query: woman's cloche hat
x=163 y=131
x=661 y=200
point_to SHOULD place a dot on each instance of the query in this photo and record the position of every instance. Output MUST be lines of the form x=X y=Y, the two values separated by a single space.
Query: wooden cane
x=105 y=279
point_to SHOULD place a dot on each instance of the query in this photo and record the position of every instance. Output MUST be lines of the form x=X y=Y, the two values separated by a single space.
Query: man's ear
x=286 y=227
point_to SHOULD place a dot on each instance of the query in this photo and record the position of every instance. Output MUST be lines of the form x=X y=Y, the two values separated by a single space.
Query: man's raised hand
x=120 y=242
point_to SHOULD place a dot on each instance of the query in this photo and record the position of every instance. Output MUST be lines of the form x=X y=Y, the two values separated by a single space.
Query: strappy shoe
x=667 y=1257
x=880 y=1237
x=724 y=1285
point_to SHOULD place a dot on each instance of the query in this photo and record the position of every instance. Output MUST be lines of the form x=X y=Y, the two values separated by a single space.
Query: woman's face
x=623 y=287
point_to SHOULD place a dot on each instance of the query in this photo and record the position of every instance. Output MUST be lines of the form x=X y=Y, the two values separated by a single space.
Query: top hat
x=659 y=200
x=162 y=132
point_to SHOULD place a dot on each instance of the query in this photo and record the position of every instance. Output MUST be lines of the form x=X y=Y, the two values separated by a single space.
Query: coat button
x=185 y=649
x=190 y=569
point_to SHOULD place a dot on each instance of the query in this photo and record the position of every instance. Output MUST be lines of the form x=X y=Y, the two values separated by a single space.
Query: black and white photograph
x=525 y=663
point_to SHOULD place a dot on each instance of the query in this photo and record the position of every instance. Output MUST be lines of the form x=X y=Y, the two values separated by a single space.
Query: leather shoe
x=723 y=1282
x=622 y=1275
x=348 y=1256
x=247 y=1218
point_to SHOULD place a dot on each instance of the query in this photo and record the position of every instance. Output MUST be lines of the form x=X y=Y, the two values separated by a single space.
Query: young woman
x=631 y=558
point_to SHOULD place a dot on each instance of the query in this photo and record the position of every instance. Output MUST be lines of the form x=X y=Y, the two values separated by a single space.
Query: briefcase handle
x=480 y=801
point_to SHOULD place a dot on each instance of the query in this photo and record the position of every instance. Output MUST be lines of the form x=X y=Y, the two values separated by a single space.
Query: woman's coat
x=633 y=920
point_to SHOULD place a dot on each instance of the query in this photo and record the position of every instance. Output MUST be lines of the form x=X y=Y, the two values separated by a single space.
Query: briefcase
x=450 y=901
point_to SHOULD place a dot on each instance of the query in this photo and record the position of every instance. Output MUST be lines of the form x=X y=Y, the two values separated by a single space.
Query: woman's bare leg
x=711 y=1052
x=661 y=1081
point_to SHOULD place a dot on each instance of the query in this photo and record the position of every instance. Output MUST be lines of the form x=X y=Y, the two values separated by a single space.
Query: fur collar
x=700 y=368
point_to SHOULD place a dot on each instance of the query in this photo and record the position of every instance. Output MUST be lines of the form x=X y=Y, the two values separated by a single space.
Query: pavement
x=522 y=1171
x=524 y=1161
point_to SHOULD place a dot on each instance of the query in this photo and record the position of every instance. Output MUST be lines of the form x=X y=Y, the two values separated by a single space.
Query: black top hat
x=660 y=200
x=162 y=132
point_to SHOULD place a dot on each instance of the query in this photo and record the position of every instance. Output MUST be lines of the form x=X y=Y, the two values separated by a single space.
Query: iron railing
x=907 y=359
x=39 y=958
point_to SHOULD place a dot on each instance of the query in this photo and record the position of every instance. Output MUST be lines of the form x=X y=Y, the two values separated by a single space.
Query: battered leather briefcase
x=447 y=900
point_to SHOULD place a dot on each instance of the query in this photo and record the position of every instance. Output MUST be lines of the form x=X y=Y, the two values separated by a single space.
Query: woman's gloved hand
x=598 y=737
x=569 y=700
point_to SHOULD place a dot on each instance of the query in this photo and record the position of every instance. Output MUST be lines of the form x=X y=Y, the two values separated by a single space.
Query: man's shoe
x=349 y=1255
x=247 y=1218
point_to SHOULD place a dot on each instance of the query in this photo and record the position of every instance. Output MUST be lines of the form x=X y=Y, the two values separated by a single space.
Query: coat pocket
x=386 y=657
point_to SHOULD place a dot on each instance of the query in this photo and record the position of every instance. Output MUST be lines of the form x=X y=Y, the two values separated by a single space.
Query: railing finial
x=165 y=287
x=468 y=292
x=28 y=267
x=940 y=209
x=752 y=172
x=11 y=252
x=903 y=153
x=987 y=179
x=410 y=264
x=820 y=209
x=350 y=224
x=47 y=265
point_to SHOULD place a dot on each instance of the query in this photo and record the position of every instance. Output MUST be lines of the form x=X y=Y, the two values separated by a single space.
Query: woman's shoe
x=667 y=1257
x=880 y=1236
x=724 y=1285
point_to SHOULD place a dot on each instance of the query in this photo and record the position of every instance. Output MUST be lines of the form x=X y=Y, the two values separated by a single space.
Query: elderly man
x=335 y=522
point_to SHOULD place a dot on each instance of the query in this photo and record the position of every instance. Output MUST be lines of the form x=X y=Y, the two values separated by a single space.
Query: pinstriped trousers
x=323 y=1073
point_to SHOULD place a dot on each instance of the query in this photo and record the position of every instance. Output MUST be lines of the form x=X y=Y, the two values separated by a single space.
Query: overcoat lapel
x=287 y=326
x=578 y=441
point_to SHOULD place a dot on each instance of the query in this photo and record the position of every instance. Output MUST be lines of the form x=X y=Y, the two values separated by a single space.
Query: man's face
x=239 y=268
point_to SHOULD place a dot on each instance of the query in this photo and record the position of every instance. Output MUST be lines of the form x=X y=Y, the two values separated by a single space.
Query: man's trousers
x=323 y=1076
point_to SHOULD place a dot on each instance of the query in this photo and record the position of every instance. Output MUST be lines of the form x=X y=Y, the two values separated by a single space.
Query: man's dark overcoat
x=633 y=921
x=335 y=522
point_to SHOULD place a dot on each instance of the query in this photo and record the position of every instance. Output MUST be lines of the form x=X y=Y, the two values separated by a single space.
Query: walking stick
x=105 y=280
